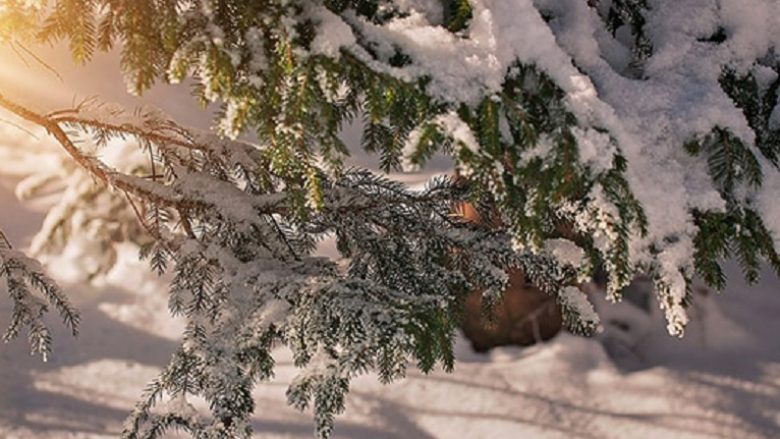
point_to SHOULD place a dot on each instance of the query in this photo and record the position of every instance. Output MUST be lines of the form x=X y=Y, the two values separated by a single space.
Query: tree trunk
x=525 y=316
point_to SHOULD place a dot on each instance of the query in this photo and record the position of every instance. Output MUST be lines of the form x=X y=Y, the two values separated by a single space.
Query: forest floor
x=633 y=381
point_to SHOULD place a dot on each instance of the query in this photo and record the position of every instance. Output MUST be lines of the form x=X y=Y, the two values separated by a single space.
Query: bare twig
x=40 y=61
x=19 y=54
x=4 y=243
x=20 y=128
x=284 y=238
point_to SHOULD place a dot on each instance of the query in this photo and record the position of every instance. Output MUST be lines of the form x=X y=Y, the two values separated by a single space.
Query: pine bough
x=614 y=136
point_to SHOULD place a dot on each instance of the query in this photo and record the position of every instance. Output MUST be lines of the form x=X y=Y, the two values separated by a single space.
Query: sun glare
x=15 y=18
x=14 y=28
x=30 y=72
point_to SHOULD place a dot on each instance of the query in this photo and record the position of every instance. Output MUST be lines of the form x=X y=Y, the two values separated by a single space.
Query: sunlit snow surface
x=721 y=381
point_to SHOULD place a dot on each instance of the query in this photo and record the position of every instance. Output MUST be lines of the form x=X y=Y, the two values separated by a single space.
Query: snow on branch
x=241 y=240
x=32 y=292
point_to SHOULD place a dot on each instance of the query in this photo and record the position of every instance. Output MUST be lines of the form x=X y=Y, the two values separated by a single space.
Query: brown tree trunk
x=525 y=316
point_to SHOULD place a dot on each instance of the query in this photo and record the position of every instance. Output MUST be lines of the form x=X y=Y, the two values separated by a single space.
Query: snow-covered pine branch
x=242 y=239
x=32 y=293
x=627 y=136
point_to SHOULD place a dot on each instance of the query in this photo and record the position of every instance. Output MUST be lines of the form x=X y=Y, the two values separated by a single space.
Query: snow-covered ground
x=721 y=381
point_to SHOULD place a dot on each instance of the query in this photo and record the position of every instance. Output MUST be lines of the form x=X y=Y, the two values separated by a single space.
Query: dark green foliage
x=630 y=13
x=730 y=161
x=32 y=292
x=757 y=103
x=457 y=13
x=739 y=232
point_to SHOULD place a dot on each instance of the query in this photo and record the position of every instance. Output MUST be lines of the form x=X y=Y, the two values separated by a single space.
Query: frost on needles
x=614 y=136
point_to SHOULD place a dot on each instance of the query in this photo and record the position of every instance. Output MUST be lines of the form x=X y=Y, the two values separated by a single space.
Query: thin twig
x=19 y=54
x=185 y=223
x=20 y=128
x=155 y=234
x=284 y=238
x=41 y=61
x=4 y=242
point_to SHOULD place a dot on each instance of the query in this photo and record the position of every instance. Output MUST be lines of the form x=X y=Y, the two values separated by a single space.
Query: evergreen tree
x=615 y=136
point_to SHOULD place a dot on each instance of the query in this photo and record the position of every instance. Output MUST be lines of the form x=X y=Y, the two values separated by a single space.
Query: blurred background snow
x=633 y=381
